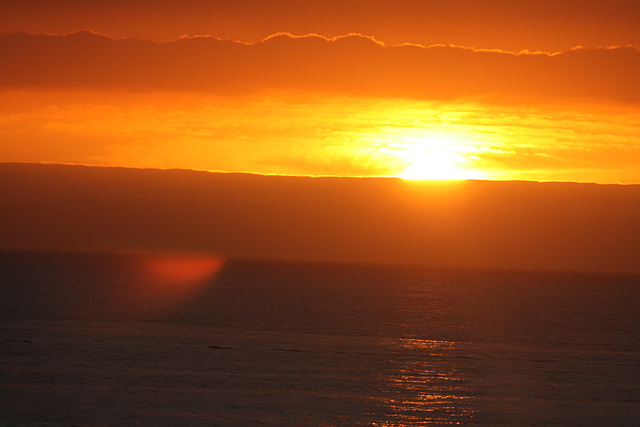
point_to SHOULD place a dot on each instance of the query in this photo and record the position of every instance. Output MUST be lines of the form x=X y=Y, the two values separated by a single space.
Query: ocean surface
x=115 y=340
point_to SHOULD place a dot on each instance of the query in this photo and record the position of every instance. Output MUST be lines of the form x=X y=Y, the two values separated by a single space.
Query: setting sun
x=438 y=156
x=437 y=165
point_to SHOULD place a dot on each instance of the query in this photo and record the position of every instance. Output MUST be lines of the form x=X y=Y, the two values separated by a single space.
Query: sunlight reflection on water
x=427 y=384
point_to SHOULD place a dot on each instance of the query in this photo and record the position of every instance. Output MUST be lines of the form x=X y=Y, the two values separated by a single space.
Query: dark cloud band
x=350 y=65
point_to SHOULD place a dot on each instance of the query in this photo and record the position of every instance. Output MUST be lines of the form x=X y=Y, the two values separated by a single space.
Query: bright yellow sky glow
x=309 y=135
x=436 y=155
x=437 y=165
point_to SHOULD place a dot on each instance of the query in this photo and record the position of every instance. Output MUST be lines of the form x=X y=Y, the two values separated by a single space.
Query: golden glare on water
x=429 y=384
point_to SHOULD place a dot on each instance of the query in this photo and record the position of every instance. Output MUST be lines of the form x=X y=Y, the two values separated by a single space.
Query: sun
x=437 y=165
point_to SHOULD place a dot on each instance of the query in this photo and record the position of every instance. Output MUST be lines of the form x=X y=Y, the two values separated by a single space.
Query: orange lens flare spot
x=168 y=281
x=183 y=269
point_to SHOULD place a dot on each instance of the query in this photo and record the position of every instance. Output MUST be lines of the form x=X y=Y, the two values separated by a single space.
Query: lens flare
x=183 y=270
x=169 y=281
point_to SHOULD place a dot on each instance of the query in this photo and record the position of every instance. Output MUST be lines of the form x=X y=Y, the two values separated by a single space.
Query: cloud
x=347 y=65
x=507 y=224
x=514 y=25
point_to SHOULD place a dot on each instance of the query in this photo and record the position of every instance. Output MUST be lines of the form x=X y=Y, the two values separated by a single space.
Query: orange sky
x=490 y=90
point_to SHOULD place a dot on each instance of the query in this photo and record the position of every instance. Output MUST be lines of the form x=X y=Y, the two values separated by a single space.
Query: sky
x=496 y=90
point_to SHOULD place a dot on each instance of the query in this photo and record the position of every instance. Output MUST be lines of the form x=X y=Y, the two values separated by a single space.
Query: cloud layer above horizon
x=547 y=25
x=315 y=105
x=353 y=65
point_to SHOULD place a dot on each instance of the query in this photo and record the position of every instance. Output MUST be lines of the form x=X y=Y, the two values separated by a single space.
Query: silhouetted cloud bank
x=350 y=65
x=564 y=226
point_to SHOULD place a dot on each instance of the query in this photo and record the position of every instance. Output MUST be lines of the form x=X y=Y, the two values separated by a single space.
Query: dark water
x=97 y=340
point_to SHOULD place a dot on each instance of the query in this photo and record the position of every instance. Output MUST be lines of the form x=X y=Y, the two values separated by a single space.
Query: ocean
x=128 y=340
